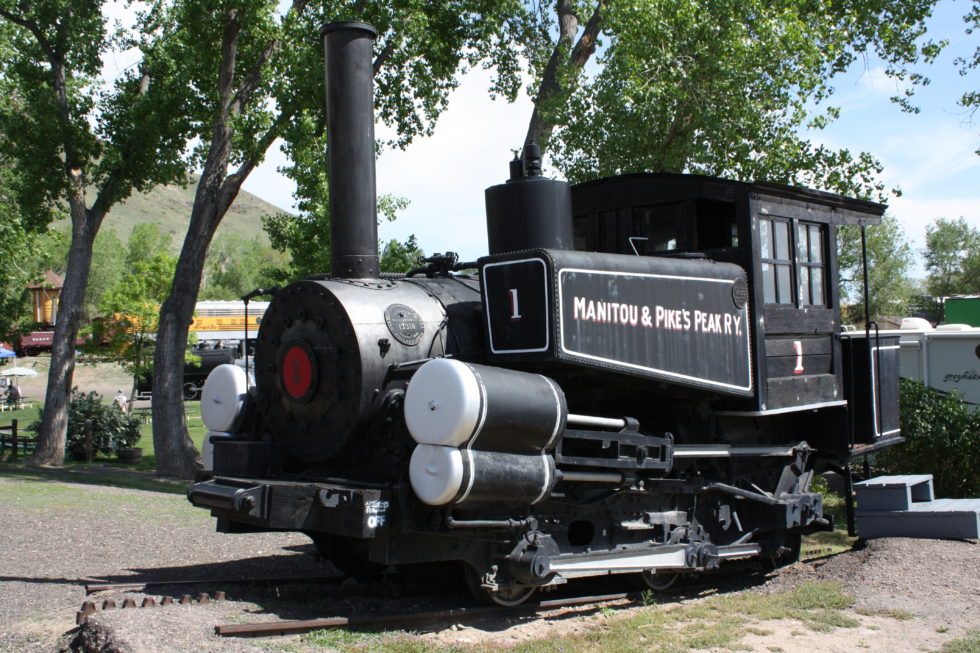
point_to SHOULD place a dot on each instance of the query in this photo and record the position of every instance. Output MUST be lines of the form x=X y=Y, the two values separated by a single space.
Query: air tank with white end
x=456 y=404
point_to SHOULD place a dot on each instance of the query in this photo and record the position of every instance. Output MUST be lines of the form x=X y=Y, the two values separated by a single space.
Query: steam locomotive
x=642 y=377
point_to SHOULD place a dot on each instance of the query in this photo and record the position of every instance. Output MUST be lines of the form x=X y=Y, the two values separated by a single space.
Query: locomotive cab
x=786 y=240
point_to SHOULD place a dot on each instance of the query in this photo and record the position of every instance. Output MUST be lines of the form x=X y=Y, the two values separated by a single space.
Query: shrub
x=942 y=438
x=112 y=429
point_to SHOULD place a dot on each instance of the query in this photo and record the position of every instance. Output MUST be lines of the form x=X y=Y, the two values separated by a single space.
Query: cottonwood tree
x=21 y=219
x=306 y=237
x=952 y=256
x=558 y=59
x=726 y=88
x=132 y=313
x=70 y=133
x=890 y=287
x=256 y=76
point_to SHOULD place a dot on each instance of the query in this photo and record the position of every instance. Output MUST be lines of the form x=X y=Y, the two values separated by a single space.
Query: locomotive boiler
x=642 y=376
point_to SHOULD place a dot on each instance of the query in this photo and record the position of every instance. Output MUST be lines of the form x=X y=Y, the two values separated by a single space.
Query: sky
x=930 y=156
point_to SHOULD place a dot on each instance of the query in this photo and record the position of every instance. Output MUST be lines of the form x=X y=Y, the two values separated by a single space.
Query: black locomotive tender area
x=642 y=377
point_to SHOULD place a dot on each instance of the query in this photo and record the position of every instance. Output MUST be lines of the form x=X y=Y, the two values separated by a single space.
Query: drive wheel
x=507 y=598
x=658 y=580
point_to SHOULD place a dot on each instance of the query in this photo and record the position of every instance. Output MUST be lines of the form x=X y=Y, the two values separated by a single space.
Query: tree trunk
x=50 y=448
x=542 y=122
x=175 y=453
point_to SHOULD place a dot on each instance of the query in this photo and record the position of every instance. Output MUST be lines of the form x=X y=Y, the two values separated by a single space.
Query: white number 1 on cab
x=515 y=307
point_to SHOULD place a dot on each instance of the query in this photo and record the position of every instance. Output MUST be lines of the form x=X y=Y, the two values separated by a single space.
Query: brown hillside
x=171 y=207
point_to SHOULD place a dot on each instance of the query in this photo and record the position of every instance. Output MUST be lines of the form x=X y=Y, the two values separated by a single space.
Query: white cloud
x=917 y=213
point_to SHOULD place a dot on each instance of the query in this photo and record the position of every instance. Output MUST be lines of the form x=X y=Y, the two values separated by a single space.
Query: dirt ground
x=104 y=378
x=911 y=595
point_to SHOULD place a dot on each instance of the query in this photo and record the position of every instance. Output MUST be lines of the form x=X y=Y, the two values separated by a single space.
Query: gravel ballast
x=57 y=535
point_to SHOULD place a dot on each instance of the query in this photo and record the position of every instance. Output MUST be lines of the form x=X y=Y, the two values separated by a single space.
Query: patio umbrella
x=18 y=372
x=6 y=353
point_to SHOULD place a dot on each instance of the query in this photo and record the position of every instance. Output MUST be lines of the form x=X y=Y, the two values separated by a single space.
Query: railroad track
x=273 y=628
x=92 y=588
x=410 y=619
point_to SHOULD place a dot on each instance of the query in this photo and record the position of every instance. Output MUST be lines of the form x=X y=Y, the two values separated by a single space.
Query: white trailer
x=946 y=357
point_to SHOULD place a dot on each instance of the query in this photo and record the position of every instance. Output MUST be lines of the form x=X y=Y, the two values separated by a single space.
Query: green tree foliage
x=131 y=309
x=725 y=88
x=421 y=52
x=236 y=265
x=108 y=269
x=15 y=271
x=401 y=257
x=970 y=100
x=145 y=242
x=19 y=228
x=952 y=256
x=50 y=250
x=306 y=237
x=942 y=438
x=889 y=264
x=64 y=132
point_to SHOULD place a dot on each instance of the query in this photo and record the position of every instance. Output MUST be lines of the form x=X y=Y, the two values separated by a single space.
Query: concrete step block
x=889 y=493
x=937 y=519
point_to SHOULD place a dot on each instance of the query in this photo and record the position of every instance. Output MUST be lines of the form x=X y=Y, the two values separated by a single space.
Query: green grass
x=716 y=623
x=114 y=475
x=828 y=542
x=24 y=416
x=970 y=643
x=41 y=497
x=195 y=428
x=106 y=470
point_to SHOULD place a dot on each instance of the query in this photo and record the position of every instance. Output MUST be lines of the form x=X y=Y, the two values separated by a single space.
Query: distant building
x=44 y=298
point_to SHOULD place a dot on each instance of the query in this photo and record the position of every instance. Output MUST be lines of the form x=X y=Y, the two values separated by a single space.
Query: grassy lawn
x=195 y=428
x=718 y=622
x=105 y=470
x=829 y=542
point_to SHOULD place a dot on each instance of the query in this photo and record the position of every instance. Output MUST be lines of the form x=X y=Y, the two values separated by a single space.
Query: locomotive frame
x=643 y=377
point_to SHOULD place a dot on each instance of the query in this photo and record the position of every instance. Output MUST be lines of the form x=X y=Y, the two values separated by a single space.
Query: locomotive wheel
x=658 y=581
x=787 y=554
x=191 y=392
x=506 y=598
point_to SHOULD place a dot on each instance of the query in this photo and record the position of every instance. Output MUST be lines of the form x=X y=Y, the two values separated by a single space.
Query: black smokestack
x=350 y=142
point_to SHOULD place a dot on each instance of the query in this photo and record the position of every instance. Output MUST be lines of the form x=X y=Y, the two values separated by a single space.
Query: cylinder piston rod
x=596 y=422
x=590 y=477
